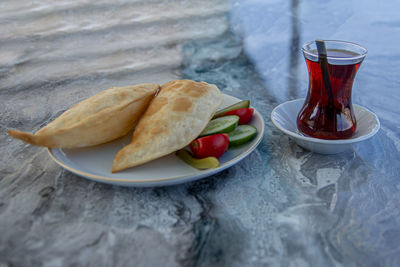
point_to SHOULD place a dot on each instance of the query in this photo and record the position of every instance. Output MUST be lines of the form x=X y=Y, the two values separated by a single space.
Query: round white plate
x=284 y=117
x=95 y=163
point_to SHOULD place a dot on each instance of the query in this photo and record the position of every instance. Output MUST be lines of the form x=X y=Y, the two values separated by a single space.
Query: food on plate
x=244 y=114
x=101 y=118
x=210 y=146
x=204 y=163
x=174 y=118
x=221 y=125
x=238 y=105
x=224 y=132
x=241 y=135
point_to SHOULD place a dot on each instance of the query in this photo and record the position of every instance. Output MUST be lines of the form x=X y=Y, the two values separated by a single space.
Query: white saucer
x=284 y=118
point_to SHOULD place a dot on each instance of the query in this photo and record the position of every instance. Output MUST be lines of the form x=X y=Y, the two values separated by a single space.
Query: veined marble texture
x=281 y=206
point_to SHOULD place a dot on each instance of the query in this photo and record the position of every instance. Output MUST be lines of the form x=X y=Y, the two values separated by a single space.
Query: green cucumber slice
x=221 y=125
x=242 y=134
x=238 y=105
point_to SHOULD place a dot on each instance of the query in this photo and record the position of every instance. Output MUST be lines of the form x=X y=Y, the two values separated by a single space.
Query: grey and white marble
x=281 y=206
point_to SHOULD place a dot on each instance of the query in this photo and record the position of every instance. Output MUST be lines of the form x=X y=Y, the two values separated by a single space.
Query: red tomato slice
x=245 y=114
x=210 y=146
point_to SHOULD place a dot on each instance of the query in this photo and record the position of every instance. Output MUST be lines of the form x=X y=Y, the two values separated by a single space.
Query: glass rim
x=360 y=56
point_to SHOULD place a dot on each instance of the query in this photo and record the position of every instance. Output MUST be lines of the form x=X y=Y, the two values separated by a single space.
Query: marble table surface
x=281 y=206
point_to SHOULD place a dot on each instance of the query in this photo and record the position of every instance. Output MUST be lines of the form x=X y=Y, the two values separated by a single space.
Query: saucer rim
x=324 y=141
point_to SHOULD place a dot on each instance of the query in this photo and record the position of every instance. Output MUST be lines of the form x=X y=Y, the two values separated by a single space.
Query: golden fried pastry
x=101 y=118
x=174 y=118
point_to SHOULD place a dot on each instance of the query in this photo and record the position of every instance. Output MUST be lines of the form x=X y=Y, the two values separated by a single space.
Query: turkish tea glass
x=328 y=112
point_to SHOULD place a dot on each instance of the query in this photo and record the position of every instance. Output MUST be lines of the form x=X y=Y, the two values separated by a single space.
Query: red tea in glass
x=327 y=112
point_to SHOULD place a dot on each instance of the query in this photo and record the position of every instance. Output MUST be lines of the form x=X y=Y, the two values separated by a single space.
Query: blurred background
x=77 y=48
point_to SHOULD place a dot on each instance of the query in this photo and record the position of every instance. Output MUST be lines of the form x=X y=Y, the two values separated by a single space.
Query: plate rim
x=169 y=180
x=324 y=141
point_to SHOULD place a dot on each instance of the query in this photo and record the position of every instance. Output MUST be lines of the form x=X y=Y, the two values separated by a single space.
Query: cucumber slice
x=224 y=124
x=238 y=105
x=241 y=135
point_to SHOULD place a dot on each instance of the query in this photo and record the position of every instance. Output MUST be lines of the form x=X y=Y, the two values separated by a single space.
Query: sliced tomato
x=245 y=114
x=210 y=146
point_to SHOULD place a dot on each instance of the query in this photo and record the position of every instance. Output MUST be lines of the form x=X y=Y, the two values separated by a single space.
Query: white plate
x=95 y=163
x=284 y=117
